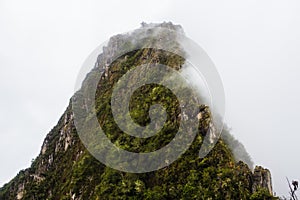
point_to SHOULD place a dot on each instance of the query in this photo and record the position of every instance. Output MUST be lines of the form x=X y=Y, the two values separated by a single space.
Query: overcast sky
x=254 y=44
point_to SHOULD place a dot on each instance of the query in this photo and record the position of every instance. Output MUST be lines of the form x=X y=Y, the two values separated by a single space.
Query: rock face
x=262 y=179
x=64 y=168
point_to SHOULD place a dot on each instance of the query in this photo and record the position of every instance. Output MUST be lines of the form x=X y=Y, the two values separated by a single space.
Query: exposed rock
x=44 y=147
x=20 y=192
x=37 y=178
x=262 y=179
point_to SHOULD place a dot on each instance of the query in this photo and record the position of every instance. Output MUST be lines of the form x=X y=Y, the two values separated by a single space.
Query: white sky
x=254 y=44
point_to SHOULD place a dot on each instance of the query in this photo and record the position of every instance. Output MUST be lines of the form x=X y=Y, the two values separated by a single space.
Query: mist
x=254 y=45
x=200 y=86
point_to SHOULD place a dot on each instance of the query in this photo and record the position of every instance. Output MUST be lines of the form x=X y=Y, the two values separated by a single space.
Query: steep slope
x=64 y=168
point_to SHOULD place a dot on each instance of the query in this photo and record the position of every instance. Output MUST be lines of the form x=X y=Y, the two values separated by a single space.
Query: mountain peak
x=65 y=169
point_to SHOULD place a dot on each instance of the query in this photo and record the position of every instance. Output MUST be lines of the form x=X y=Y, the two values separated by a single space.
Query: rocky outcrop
x=262 y=179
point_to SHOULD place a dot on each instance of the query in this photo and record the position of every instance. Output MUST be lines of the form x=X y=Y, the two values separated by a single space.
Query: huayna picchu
x=65 y=169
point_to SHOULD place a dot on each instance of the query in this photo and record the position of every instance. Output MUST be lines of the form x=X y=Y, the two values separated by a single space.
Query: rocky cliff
x=65 y=169
x=262 y=179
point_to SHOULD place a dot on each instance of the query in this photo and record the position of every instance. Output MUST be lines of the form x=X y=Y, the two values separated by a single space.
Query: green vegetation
x=262 y=194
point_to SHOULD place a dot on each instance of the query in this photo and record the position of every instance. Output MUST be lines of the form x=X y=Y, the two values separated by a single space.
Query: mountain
x=65 y=169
